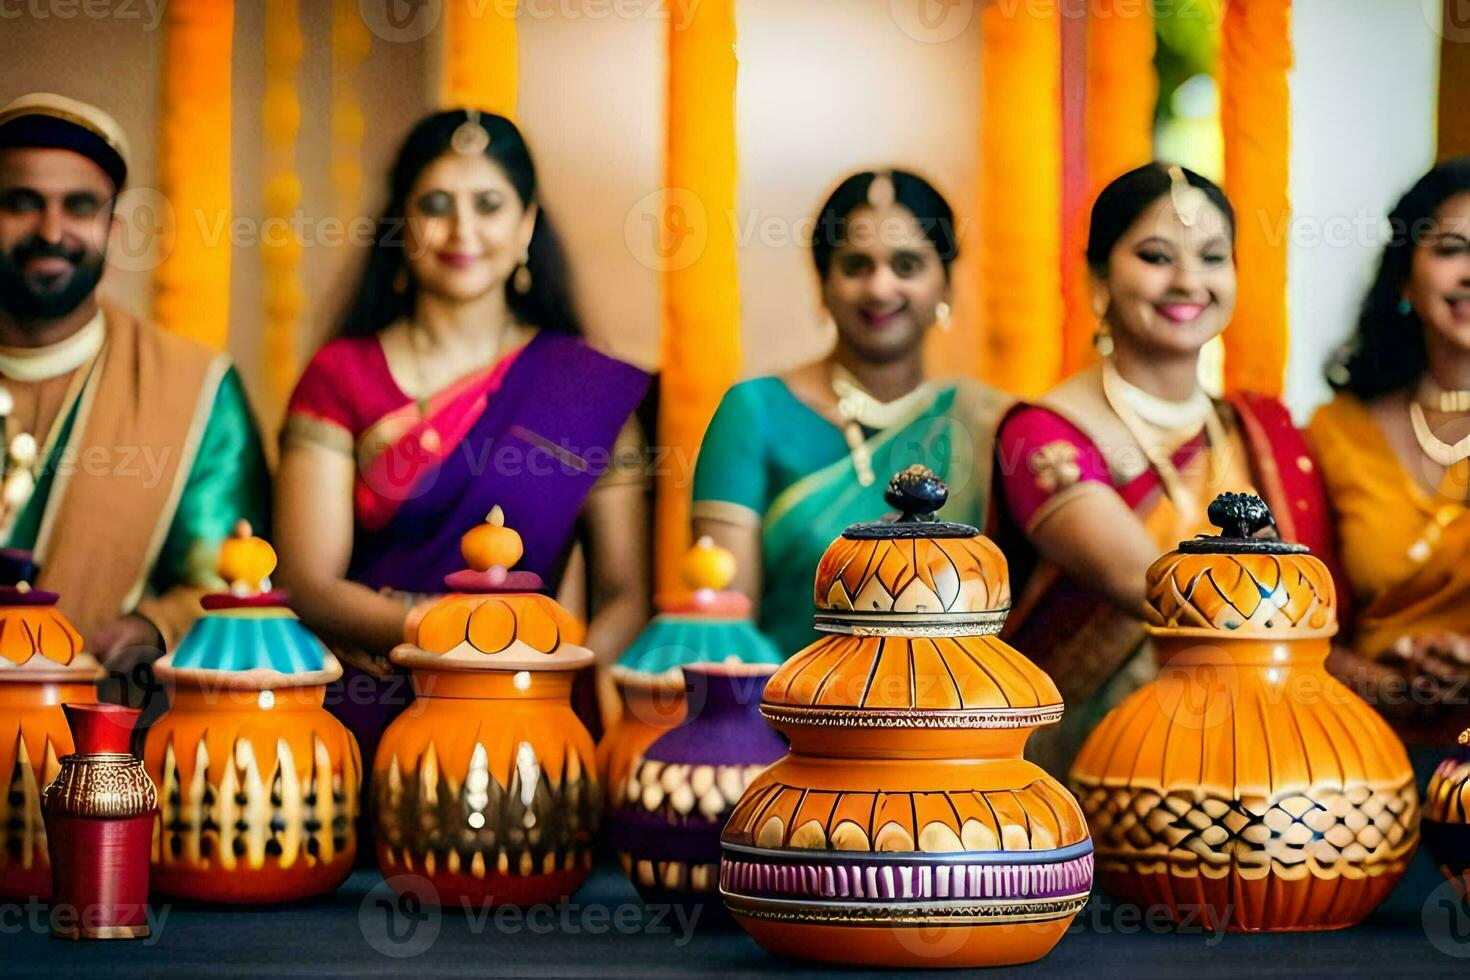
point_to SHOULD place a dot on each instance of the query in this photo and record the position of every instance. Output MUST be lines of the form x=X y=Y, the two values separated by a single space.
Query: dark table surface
x=363 y=930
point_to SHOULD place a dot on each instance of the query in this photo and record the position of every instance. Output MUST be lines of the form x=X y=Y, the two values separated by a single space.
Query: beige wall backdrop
x=825 y=88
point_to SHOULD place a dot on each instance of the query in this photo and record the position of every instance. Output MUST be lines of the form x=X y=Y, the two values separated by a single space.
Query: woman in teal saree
x=788 y=462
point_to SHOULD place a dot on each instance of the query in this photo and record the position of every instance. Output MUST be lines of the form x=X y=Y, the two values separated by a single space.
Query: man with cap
x=130 y=452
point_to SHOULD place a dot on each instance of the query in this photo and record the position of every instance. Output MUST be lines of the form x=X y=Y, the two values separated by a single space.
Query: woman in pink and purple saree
x=458 y=383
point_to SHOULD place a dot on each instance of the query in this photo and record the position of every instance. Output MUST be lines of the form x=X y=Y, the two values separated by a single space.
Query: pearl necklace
x=1432 y=396
x=1136 y=408
x=1185 y=418
x=859 y=410
x=1433 y=446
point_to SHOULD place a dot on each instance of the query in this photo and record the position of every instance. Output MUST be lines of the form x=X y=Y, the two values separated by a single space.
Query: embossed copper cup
x=100 y=811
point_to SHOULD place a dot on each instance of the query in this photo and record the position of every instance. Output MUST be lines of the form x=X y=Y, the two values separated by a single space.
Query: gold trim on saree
x=303 y=429
x=726 y=513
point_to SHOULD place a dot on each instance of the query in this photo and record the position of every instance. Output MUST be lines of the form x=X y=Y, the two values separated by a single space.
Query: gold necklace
x=1185 y=501
x=1433 y=446
x=419 y=343
x=859 y=409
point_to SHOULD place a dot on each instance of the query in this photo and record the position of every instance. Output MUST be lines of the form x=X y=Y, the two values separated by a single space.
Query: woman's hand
x=616 y=527
x=1436 y=666
x=313 y=537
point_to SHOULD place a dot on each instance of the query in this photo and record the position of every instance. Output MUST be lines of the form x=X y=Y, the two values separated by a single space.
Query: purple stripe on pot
x=900 y=881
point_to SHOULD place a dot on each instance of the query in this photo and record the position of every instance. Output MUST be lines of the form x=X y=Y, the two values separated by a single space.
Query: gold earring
x=400 y=281
x=1103 y=340
x=943 y=316
x=521 y=280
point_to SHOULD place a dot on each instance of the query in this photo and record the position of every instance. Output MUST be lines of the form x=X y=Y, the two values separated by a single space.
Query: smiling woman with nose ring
x=788 y=462
x=1117 y=464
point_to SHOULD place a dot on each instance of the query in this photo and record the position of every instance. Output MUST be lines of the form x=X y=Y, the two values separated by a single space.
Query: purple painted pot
x=681 y=790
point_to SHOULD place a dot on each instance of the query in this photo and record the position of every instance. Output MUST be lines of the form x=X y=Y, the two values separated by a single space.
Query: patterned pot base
x=963 y=909
x=1296 y=862
x=470 y=882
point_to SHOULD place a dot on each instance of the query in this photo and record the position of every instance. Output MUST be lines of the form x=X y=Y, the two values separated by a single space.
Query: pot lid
x=1245 y=582
x=248 y=636
x=37 y=641
x=913 y=604
x=707 y=623
x=492 y=620
x=912 y=569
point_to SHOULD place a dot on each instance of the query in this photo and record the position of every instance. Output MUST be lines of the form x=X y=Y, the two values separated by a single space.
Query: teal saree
x=771 y=461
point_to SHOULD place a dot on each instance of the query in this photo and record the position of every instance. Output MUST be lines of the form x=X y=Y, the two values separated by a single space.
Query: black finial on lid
x=916 y=493
x=16 y=566
x=1246 y=527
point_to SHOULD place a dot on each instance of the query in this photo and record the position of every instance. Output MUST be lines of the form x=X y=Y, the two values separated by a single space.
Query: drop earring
x=521 y=280
x=943 y=316
x=1103 y=340
x=1405 y=307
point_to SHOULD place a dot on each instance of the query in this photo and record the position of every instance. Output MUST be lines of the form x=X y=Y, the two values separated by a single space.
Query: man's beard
x=26 y=298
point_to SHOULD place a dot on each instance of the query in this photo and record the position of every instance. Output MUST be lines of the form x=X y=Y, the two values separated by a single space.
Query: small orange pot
x=42 y=667
x=258 y=790
x=703 y=625
x=1245 y=785
x=487 y=786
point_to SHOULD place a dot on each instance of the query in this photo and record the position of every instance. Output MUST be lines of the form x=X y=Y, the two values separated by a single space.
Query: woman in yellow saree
x=1394 y=446
x=788 y=462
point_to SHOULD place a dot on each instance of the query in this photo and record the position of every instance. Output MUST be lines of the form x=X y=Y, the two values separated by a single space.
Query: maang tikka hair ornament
x=1186 y=198
x=881 y=192
x=470 y=137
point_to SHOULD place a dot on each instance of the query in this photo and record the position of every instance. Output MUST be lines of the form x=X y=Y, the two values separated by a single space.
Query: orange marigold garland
x=1021 y=196
x=280 y=249
x=1255 y=116
x=701 y=324
x=1122 y=95
x=481 y=60
x=193 y=281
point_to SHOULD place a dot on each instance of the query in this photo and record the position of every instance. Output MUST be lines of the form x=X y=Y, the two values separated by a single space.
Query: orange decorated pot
x=42 y=667
x=905 y=828
x=257 y=782
x=486 y=786
x=1245 y=783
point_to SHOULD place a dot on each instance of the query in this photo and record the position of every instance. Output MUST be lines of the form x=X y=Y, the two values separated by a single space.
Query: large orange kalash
x=258 y=784
x=486 y=785
x=1245 y=785
x=905 y=828
x=1447 y=815
x=42 y=667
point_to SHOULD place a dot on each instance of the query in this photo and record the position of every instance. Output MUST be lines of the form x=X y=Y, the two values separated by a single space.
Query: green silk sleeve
x=228 y=481
x=731 y=468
